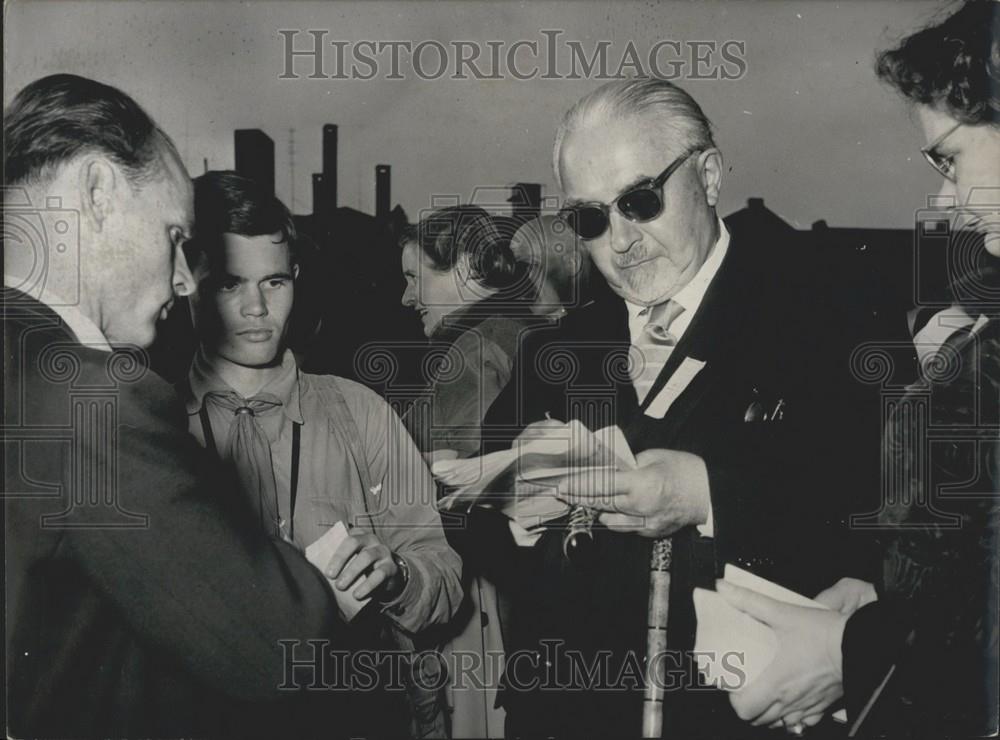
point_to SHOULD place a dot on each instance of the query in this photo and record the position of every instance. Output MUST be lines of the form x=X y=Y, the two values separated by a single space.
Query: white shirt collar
x=86 y=331
x=691 y=295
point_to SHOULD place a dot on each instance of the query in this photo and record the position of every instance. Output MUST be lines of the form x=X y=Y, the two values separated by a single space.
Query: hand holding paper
x=319 y=553
x=520 y=481
x=790 y=647
x=668 y=490
x=355 y=563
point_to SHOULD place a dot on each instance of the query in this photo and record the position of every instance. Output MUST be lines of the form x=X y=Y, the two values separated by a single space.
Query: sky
x=804 y=124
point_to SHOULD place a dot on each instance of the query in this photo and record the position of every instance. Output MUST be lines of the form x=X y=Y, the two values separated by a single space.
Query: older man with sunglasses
x=724 y=358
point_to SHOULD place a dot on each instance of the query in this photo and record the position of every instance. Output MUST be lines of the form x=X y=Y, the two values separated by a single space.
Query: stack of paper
x=521 y=482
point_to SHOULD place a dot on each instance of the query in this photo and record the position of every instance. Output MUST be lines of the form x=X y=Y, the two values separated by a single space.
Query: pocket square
x=754 y=412
x=758 y=411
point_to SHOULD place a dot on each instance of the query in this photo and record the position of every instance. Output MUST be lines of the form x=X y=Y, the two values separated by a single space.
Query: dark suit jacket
x=141 y=599
x=776 y=325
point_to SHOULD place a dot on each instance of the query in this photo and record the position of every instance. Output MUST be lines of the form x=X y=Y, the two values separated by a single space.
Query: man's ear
x=99 y=183
x=710 y=170
x=295 y=271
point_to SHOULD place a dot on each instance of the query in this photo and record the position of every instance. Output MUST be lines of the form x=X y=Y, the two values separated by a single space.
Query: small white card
x=319 y=554
x=675 y=385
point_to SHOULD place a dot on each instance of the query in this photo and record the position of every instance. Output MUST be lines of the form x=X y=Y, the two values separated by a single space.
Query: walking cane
x=656 y=637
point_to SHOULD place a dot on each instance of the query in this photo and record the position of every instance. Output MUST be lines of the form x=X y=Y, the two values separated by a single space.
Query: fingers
x=653 y=456
x=758 y=606
x=792 y=719
x=812 y=703
x=374 y=580
x=619 y=522
x=847 y=595
x=770 y=715
x=598 y=489
x=361 y=562
x=832 y=598
x=796 y=722
x=356 y=555
x=753 y=701
x=344 y=552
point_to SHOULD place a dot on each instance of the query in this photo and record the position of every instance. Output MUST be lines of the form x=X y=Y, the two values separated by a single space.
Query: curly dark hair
x=448 y=233
x=953 y=64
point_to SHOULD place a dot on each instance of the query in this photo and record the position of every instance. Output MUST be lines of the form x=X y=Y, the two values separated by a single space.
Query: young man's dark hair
x=60 y=116
x=228 y=203
x=954 y=64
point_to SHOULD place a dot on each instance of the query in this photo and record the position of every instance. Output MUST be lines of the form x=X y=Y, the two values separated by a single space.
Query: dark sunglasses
x=640 y=204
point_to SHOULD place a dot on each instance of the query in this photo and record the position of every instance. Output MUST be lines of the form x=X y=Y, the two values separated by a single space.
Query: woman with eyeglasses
x=922 y=659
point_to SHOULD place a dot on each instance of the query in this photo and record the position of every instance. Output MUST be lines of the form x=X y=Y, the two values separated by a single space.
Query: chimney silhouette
x=255 y=156
x=329 y=179
x=383 y=190
x=317 y=194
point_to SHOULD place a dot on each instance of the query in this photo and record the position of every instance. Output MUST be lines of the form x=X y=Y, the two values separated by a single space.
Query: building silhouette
x=348 y=294
x=254 y=156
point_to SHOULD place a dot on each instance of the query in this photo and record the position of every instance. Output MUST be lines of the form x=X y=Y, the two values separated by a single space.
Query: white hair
x=683 y=123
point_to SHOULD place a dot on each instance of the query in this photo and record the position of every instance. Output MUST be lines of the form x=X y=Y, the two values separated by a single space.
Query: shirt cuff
x=396 y=609
x=708 y=528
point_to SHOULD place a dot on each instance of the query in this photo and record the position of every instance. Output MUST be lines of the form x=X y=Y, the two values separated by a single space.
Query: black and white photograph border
x=494 y=368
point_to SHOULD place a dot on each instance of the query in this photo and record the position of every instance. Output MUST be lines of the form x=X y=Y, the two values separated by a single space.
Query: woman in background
x=474 y=300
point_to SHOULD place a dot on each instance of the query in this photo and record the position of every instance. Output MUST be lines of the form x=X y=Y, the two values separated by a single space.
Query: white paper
x=529 y=467
x=723 y=630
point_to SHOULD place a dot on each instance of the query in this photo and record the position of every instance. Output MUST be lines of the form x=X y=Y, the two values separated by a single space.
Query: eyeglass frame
x=655 y=184
x=930 y=152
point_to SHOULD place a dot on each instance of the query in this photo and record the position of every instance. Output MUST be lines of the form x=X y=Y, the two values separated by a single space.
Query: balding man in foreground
x=142 y=597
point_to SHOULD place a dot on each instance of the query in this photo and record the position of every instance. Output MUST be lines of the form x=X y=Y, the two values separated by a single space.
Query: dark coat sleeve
x=198 y=582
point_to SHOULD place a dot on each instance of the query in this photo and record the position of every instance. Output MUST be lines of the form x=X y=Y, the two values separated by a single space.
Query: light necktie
x=653 y=346
x=248 y=448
